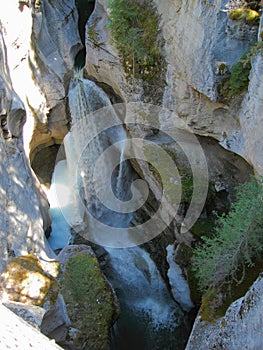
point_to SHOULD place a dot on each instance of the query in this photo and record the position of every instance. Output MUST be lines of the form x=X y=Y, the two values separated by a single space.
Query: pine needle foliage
x=237 y=242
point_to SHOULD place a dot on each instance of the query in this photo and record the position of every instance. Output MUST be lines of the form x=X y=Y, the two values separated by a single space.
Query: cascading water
x=62 y=206
x=150 y=319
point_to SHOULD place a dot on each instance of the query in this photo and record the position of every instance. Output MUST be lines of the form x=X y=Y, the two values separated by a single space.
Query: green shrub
x=256 y=49
x=134 y=26
x=237 y=242
x=239 y=78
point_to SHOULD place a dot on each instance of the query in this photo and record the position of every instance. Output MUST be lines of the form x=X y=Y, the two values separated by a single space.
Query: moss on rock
x=89 y=300
x=25 y=281
x=248 y=15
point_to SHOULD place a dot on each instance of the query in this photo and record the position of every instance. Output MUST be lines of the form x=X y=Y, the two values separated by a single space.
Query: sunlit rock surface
x=17 y=334
x=24 y=208
x=41 y=49
x=25 y=281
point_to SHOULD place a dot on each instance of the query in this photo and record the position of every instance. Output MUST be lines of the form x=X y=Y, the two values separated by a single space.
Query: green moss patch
x=89 y=300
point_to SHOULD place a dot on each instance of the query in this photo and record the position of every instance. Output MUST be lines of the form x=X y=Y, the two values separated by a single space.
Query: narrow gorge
x=131 y=136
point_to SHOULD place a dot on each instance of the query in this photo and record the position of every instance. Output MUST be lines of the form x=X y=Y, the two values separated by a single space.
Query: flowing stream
x=150 y=318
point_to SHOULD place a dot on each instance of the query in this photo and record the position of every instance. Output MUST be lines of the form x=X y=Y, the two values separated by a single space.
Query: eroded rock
x=240 y=328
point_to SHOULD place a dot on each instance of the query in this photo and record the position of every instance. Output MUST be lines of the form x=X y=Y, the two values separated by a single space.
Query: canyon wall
x=200 y=44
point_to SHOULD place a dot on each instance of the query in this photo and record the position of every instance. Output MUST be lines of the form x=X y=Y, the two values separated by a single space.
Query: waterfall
x=144 y=289
x=100 y=187
x=60 y=199
x=119 y=184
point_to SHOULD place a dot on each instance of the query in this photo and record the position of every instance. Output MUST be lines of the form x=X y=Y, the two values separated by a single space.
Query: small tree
x=237 y=242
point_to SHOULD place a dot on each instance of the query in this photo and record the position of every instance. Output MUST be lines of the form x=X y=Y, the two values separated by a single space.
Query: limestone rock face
x=103 y=63
x=24 y=208
x=32 y=314
x=40 y=53
x=201 y=44
x=197 y=37
x=247 y=140
x=240 y=328
x=17 y=334
x=55 y=42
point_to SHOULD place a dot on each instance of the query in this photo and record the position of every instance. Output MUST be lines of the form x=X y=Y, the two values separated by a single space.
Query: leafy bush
x=239 y=78
x=238 y=240
x=134 y=26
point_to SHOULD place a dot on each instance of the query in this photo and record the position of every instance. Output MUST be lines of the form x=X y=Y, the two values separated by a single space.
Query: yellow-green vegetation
x=246 y=14
x=90 y=302
x=134 y=26
x=165 y=171
x=25 y=281
x=222 y=262
x=177 y=184
x=238 y=80
x=211 y=308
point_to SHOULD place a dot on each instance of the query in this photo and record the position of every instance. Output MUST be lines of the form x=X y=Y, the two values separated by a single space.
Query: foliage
x=250 y=16
x=134 y=26
x=256 y=49
x=187 y=188
x=89 y=300
x=239 y=78
x=238 y=240
x=204 y=227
